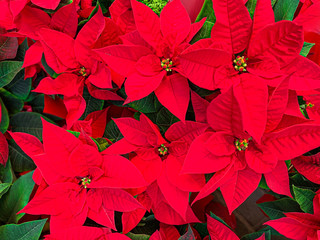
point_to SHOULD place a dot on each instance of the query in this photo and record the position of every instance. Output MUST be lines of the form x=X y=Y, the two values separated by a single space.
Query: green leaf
x=201 y=229
x=4 y=187
x=149 y=104
x=47 y=68
x=19 y=86
x=23 y=47
x=306 y=48
x=105 y=4
x=300 y=181
x=4 y=122
x=28 y=122
x=16 y=199
x=20 y=161
x=305 y=198
x=188 y=235
x=254 y=236
x=37 y=103
x=205 y=32
x=6 y=174
x=13 y=103
x=165 y=119
x=207 y=11
x=276 y=208
x=8 y=70
x=112 y=132
x=137 y=236
x=285 y=9
x=25 y=231
x=93 y=104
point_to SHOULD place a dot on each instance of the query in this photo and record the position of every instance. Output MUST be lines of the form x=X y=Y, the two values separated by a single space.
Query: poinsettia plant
x=157 y=119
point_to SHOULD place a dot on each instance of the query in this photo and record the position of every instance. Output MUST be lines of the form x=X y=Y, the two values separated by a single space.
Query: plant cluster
x=126 y=119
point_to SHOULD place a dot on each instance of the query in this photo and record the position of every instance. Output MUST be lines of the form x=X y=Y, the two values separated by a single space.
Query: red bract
x=75 y=59
x=308 y=166
x=4 y=149
x=299 y=226
x=159 y=160
x=149 y=58
x=80 y=181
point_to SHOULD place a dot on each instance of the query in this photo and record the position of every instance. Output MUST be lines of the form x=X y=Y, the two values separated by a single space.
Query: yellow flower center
x=241 y=144
x=167 y=64
x=240 y=64
x=163 y=150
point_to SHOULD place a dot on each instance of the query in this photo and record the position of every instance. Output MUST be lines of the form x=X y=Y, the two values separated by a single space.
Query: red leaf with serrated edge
x=277 y=104
x=240 y=186
x=282 y=40
x=200 y=65
x=175 y=22
x=225 y=107
x=4 y=149
x=219 y=231
x=147 y=22
x=233 y=25
x=65 y=20
x=48 y=4
x=174 y=94
x=263 y=15
x=278 y=179
x=87 y=36
x=308 y=167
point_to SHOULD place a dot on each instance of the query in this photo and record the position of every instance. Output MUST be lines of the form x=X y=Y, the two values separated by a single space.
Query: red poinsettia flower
x=149 y=58
x=299 y=226
x=75 y=59
x=238 y=158
x=81 y=182
x=271 y=50
x=160 y=160
x=308 y=166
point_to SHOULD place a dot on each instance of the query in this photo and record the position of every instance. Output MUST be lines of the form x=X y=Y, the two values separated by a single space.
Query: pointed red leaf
x=219 y=231
x=233 y=25
x=278 y=179
x=239 y=188
x=147 y=22
x=308 y=167
x=62 y=46
x=119 y=200
x=98 y=123
x=131 y=219
x=277 y=104
x=4 y=149
x=28 y=143
x=33 y=55
x=290 y=228
x=103 y=216
x=65 y=20
x=174 y=94
x=101 y=78
x=293 y=141
x=282 y=40
x=252 y=96
x=175 y=22
x=263 y=15
x=200 y=106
